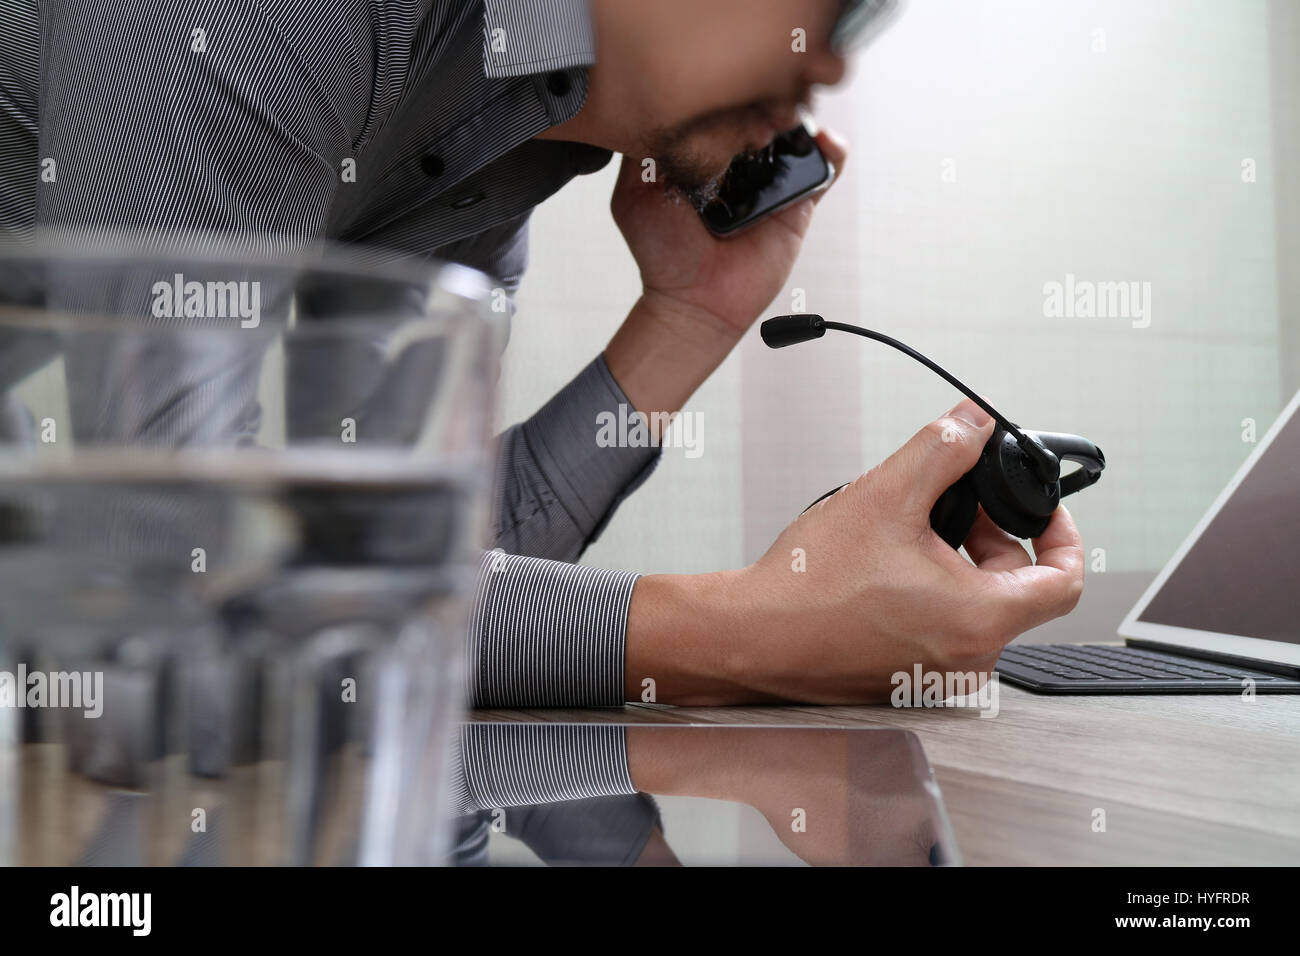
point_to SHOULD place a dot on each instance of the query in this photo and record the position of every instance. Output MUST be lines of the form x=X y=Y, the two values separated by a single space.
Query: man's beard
x=685 y=172
x=683 y=169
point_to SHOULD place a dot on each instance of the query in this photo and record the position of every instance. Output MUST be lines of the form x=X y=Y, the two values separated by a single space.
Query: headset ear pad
x=953 y=515
x=1012 y=495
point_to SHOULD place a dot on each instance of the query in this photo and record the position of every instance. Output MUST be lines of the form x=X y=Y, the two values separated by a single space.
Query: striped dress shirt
x=239 y=118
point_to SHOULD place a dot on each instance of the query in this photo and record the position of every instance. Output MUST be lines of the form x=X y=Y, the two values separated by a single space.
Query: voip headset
x=1018 y=476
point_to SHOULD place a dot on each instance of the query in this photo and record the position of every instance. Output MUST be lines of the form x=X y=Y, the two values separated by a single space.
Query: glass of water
x=242 y=497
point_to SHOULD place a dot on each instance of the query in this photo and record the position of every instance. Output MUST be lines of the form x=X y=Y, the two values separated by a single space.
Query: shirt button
x=431 y=164
x=558 y=83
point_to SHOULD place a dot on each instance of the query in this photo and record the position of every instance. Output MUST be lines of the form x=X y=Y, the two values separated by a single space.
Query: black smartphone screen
x=760 y=183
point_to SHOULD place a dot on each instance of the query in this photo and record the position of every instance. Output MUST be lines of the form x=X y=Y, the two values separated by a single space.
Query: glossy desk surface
x=713 y=795
x=1120 y=780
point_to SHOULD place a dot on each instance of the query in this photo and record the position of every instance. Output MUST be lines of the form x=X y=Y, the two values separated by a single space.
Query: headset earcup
x=1011 y=519
x=953 y=515
x=1015 y=502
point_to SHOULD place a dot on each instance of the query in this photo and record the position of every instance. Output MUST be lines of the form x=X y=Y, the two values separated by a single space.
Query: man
x=434 y=127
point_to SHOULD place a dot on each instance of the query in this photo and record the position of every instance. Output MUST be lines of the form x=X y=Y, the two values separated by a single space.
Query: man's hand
x=879 y=593
x=700 y=293
x=683 y=266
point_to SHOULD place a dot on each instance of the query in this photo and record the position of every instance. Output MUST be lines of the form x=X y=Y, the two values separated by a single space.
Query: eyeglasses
x=859 y=20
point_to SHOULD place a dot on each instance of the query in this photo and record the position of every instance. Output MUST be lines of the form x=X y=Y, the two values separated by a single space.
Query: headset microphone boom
x=1018 y=476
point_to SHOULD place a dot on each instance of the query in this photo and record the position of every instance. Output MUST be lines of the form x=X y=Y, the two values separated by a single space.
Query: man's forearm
x=664 y=351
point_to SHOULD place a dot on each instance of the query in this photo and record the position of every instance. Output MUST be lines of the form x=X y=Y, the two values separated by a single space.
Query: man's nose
x=825 y=69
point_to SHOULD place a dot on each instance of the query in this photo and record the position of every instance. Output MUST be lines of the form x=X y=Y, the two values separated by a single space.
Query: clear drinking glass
x=241 y=501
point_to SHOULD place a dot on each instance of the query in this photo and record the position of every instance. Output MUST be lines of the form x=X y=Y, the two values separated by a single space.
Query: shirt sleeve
x=543 y=632
x=558 y=484
x=563 y=790
x=495 y=766
x=547 y=634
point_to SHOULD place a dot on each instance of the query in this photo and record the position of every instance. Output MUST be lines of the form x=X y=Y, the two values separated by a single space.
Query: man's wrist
x=684 y=640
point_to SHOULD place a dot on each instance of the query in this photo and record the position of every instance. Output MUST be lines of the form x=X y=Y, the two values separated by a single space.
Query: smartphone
x=760 y=183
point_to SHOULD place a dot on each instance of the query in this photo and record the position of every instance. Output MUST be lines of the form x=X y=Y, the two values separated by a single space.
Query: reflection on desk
x=597 y=794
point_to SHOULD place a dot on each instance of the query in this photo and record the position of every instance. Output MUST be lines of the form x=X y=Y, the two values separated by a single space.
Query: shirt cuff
x=515 y=765
x=547 y=634
x=588 y=478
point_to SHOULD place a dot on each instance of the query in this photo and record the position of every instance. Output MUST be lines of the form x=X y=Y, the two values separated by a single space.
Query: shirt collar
x=522 y=37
